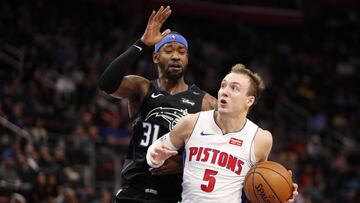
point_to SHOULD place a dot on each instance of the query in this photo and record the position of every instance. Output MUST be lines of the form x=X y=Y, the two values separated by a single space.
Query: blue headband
x=171 y=38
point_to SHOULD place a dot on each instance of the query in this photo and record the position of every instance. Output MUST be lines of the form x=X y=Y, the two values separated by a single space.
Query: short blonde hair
x=257 y=85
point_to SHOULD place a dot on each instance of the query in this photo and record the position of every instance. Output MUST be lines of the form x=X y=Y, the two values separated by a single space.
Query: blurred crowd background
x=63 y=140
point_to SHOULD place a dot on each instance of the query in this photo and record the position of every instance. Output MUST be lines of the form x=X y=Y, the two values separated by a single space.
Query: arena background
x=62 y=140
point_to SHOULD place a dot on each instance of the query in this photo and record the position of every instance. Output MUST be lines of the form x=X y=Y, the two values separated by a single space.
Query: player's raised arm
x=113 y=80
x=152 y=34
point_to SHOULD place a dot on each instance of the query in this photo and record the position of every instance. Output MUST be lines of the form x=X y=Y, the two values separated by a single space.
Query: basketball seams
x=251 y=171
x=247 y=178
x=253 y=178
x=266 y=167
x=247 y=182
x=269 y=186
x=262 y=167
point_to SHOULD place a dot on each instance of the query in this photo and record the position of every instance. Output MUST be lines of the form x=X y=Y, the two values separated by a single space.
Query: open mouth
x=223 y=101
x=175 y=66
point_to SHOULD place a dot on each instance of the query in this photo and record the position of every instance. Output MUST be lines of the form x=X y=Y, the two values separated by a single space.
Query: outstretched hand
x=160 y=153
x=152 y=33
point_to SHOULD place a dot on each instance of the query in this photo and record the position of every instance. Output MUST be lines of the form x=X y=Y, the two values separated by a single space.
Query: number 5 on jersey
x=209 y=176
x=149 y=131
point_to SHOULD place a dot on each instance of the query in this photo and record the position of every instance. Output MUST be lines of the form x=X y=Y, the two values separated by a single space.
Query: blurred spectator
x=45 y=160
x=9 y=178
x=78 y=146
x=17 y=198
x=26 y=174
x=39 y=133
x=39 y=193
x=68 y=196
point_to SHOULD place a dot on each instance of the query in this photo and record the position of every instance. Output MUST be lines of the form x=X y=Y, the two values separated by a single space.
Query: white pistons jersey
x=216 y=163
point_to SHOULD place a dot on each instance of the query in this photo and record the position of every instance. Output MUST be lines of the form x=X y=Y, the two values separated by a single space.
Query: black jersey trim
x=192 y=87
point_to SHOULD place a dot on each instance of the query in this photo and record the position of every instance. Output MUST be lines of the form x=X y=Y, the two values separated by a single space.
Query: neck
x=173 y=86
x=230 y=123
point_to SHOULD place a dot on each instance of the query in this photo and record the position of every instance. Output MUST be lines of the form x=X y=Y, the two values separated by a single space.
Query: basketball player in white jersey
x=220 y=145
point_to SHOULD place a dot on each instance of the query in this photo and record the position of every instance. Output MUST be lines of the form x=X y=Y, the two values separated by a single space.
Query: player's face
x=232 y=95
x=172 y=60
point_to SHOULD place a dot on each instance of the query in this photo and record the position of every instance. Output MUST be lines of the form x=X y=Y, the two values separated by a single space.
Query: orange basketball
x=268 y=182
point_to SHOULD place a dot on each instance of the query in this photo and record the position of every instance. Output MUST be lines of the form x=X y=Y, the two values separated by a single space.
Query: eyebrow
x=234 y=82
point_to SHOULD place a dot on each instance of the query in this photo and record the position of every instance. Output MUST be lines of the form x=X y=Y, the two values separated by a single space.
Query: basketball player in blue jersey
x=220 y=145
x=155 y=107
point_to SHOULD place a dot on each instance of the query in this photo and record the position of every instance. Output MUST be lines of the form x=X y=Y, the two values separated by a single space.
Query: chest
x=185 y=100
x=166 y=109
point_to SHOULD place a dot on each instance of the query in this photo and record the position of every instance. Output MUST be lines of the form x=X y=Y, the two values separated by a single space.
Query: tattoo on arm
x=213 y=103
x=209 y=102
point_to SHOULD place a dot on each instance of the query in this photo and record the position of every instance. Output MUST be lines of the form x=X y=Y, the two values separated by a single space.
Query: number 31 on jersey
x=151 y=132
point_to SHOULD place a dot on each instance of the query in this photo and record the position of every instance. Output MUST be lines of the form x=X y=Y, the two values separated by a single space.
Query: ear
x=250 y=101
x=155 y=57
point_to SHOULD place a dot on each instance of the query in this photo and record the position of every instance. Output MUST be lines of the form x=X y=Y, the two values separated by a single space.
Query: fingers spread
x=151 y=16
x=158 y=13
x=165 y=14
x=162 y=14
x=163 y=153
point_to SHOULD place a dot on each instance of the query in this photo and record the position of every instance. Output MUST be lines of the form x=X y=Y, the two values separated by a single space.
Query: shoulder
x=209 y=102
x=190 y=119
x=137 y=79
x=263 y=138
x=185 y=126
x=264 y=134
x=187 y=122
